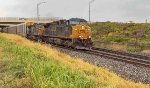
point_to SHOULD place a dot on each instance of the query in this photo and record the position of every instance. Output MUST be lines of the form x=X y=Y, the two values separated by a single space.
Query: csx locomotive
x=71 y=33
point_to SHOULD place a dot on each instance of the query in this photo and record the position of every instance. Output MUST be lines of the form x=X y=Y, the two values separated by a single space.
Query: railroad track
x=121 y=56
x=116 y=55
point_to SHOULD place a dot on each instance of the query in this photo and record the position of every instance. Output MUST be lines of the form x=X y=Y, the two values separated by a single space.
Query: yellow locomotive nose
x=81 y=32
x=84 y=32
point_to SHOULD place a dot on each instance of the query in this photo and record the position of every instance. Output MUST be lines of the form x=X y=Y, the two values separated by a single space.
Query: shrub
x=134 y=49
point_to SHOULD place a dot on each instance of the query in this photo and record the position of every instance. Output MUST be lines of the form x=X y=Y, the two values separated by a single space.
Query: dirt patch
x=118 y=47
x=122 y=47
x=146 y=51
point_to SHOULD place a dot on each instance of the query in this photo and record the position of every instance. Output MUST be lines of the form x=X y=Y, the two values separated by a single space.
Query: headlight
x=89 y=36
x=83 y=27
x=80 y=36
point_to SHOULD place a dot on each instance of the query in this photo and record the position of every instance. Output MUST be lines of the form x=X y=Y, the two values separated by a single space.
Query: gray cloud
x=101 y=10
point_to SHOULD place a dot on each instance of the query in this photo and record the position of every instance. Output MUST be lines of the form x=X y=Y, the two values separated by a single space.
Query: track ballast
x=135 y=59
x=120 y=55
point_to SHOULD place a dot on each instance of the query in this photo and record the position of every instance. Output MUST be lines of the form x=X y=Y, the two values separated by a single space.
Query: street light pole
x=38 y=10
x=90 y=2
x=89 y=12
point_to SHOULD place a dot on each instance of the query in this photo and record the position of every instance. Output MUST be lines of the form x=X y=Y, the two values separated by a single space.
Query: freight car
x=71 y=33
x=19 y=29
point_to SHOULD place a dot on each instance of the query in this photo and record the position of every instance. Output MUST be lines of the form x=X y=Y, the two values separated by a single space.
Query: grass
x=31 y=65
x=130 y=34
x=112 y=46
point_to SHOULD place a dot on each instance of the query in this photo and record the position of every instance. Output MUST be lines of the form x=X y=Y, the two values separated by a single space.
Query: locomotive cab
x=81 y=33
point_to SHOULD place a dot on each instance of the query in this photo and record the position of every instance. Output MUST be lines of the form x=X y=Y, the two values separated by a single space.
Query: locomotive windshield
x=77 y=21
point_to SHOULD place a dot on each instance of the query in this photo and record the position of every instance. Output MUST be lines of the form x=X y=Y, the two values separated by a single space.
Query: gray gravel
x=127 y=71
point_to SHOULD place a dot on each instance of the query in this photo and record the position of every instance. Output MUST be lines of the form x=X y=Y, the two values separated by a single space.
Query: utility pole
x=89 y=12
x=146 y=20
x=90 y=2
x=38 y=10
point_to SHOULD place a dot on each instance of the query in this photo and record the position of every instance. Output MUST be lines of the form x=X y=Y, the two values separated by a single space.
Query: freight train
x=70 y=33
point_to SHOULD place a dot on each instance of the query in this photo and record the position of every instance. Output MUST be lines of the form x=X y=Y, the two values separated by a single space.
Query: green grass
x=134 y=49
x=122 y=33
x=42 y=72
x=25 y=64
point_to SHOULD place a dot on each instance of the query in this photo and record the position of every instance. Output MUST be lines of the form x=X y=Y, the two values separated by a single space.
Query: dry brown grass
x=19 y=39
x=118 y=47
x=25 y=83
x=101 y=75
x=146 y=51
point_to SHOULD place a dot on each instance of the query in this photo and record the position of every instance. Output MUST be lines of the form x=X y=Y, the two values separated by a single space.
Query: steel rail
x=116 y=55
x=122 y=53
x=121 y=56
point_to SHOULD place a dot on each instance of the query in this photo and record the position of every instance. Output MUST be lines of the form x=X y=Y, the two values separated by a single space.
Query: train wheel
x=39 y=39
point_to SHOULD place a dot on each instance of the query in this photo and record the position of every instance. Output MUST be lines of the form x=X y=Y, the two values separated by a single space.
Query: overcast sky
x=101 y=10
